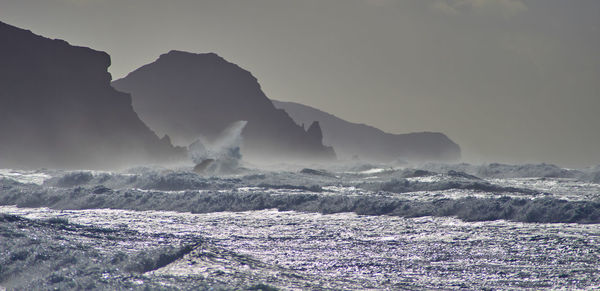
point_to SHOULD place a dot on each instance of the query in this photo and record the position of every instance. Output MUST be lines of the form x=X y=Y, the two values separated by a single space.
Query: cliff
x=58 y=109
x=369 y=143
x=187 y=95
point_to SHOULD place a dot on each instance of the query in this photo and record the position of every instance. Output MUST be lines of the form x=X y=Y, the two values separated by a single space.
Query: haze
x=508 y=80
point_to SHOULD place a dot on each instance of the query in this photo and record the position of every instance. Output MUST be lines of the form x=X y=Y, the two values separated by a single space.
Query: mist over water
x=221 y=154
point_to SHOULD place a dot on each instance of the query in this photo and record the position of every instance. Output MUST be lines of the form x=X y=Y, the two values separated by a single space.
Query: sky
x=508 y=80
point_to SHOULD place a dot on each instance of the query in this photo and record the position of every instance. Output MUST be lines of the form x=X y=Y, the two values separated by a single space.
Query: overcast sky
x=508 y=80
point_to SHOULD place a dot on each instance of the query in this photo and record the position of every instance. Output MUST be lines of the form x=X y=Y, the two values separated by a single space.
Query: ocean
x=357 y=226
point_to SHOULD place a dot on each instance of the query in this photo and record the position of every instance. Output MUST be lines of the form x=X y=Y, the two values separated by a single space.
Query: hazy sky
x=508 y=80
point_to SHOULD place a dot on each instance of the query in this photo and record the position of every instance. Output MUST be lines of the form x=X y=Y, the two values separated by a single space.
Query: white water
x=352 y=251
x=300 y=249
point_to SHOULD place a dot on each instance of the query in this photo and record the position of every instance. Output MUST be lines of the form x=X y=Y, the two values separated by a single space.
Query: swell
x=542 y=210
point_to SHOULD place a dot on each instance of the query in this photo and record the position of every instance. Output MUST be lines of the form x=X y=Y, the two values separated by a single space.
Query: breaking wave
x=221 y=155
x=459 y=190
x=405 y=185
x=497 y=170
x=546 y=210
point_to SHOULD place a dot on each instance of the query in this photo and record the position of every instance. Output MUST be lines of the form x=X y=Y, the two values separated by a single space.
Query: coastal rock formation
x=58 y=109
x=314 y=130
x=187 y=95
x=352 y=140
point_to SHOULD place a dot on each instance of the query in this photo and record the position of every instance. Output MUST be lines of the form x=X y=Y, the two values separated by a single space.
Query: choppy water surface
x=440 y=226
x=354 y=251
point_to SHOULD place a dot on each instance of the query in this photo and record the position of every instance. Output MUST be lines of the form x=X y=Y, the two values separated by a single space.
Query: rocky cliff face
x=188 y=95
x=352 y=140
x=57 y=109
x=314 y=131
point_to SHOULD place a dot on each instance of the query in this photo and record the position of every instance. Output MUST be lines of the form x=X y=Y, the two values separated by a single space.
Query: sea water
x=174 y=229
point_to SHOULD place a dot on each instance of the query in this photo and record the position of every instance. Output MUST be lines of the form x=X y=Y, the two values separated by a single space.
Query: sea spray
x=221 y=155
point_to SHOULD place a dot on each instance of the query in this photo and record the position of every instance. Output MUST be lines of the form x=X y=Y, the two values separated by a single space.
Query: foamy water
x=301 y=230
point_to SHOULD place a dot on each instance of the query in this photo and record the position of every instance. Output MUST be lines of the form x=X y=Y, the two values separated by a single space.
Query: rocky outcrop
x=58 y=109
x=314 y=131
x=352 y=140
x=189 y=95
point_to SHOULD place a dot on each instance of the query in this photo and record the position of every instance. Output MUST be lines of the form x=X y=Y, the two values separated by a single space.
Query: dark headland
x=369 y=143
x=58 y=109
x=187 y=95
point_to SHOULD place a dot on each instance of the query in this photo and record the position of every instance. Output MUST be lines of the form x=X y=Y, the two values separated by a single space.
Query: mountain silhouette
x=352 y=140
x=188 y=95
x=58 y=109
